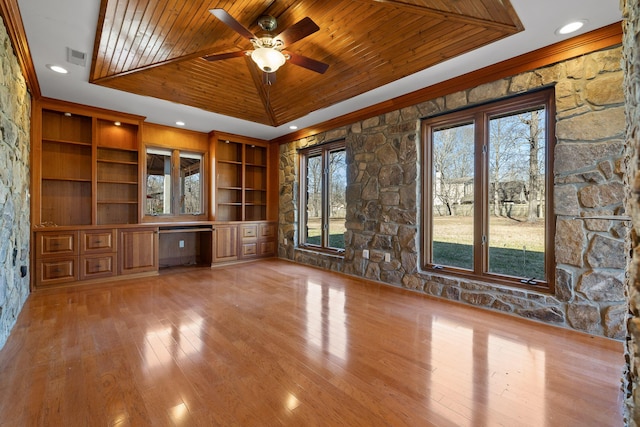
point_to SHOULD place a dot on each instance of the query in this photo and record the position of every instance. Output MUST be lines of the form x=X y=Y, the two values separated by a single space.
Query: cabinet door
x=138 y=250
x=225 y=245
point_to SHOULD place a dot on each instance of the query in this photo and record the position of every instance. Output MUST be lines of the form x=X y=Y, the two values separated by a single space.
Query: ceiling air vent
x=76 y=57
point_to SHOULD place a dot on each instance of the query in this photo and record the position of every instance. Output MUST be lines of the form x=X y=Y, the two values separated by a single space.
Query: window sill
x=320 y=251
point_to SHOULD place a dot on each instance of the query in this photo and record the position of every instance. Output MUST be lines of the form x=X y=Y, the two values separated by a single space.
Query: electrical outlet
x=285 y=241
x=181 y=244
x=387 y=257
x=365 y=253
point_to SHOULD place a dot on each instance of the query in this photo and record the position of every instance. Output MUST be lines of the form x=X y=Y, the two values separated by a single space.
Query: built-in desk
x=184 y=245
x=210 y=243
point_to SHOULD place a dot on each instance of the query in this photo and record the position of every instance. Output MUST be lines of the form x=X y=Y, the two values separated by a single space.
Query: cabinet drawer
x=267 y=248
x=97 y=266
x=249 y=249
x=57 y=243
x=61 y=270
x=248 y=231
x=98 y=241
x=267 y=230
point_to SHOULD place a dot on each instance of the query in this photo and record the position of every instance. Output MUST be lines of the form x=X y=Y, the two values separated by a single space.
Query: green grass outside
x=335 y=240
x=513 y=262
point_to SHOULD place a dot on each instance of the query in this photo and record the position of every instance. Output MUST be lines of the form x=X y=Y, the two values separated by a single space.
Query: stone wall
x=15 y=111
x=631 y=64
x=383 y=200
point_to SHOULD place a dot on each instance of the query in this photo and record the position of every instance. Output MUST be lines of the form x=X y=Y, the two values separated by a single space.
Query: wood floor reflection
x=274 y=343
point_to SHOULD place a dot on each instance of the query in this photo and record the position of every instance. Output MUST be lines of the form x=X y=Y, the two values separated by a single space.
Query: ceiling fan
x=268 y=53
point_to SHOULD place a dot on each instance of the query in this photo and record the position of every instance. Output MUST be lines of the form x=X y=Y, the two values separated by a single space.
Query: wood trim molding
x=601 y=38
x=10 y=13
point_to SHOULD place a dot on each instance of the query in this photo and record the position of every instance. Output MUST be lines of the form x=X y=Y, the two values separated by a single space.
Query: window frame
x=324 y=150
x=482 y=114
x=176 y=186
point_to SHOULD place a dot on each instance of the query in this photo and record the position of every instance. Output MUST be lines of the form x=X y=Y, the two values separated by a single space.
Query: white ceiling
x=53 y=25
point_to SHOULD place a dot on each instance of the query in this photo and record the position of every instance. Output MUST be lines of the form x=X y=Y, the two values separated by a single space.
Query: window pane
x=190 y=183
x=516 y=195
x=453 y=196
x=313 y=227
x=337 y=203
x=158 y=201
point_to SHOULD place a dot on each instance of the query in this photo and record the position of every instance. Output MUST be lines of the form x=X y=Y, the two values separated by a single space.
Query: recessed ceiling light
x=57 y=68
x=293 y=127
x=117 y=123
x=180 y=123
x=571 y=27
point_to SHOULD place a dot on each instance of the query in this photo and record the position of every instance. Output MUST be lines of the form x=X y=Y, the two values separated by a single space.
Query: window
x=323 y=206
x=169 y=173
x=487 y=191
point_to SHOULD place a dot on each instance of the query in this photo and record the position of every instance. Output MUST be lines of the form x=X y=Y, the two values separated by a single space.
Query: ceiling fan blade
x=297 y=31
x=268 y=78
x=220 y=56
x=308 y=63
x=230 y=21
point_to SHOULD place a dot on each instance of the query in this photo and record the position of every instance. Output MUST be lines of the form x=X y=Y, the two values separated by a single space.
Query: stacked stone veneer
x=631 y=63
x=383 y=198
x=15 y=111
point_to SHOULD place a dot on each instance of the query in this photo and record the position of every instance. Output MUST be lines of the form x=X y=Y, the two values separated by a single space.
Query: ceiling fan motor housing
x=268 y=23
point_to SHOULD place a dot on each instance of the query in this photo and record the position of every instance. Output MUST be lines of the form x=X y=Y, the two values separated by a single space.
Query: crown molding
x=10 y=13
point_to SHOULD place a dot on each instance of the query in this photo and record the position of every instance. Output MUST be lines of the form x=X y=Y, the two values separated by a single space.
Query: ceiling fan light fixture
x=268 y=59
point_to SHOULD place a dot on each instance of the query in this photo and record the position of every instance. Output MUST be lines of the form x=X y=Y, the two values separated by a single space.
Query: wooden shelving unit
x=86 y=168
x=66 y=168
x=117 y=173
x=241 y=181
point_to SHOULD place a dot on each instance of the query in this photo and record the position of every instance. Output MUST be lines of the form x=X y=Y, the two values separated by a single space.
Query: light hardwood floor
x=275 y=343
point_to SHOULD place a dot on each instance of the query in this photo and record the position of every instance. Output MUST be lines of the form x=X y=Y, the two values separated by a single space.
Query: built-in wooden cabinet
x=244 y=240
x=225 y=243
x=56 y=257
x=88 y=188
x=241 y=180
x=65 y=167
x=98 y=253
x=117 y=186
x=138 y=250
x=85 y=166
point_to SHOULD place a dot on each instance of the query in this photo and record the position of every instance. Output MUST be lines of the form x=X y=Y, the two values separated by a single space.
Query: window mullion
x=481 y=192
x=325 y=199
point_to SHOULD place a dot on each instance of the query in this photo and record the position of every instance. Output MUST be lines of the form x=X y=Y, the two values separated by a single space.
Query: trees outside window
x=173 y=182
x=322 y=201
x=487 y=191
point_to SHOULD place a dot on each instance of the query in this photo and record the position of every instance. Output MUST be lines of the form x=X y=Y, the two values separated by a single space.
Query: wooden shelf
x=117 y=162
x=118 y=202
x=65 y=141
x=49 y=178
x=117 y=182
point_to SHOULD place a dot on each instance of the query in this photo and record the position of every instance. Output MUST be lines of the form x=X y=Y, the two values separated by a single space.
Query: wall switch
x=365 y=253
x=285 y=241
x=387 y=257
x=181 y=244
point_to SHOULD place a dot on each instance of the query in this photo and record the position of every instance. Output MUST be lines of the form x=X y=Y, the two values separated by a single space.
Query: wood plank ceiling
x=155 y=48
